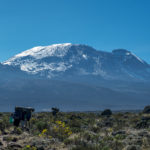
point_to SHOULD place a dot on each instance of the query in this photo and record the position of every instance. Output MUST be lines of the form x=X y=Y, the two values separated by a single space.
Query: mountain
x=43 y=94
x=74 y=77
x=11 y=72
x=72 y=60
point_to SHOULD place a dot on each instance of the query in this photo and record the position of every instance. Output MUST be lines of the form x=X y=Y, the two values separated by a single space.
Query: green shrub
x=18 y=131
x=41 y=125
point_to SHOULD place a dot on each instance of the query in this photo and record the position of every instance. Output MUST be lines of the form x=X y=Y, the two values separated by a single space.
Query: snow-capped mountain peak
x=39 y=52
x=72 y=59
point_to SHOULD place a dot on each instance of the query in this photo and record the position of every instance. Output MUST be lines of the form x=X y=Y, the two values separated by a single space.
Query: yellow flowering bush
x=57 y=129
x=61 y=128
x=44 y=133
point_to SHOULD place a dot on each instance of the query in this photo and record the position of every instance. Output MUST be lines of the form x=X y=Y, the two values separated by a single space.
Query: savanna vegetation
x=78 y=131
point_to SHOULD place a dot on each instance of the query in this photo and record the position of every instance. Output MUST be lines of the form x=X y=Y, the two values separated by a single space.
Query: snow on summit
x=30 y=60
x=43 y=51
x=57 y=59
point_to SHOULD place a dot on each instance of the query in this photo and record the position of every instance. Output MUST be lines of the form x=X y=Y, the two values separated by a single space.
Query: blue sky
x=102 y=24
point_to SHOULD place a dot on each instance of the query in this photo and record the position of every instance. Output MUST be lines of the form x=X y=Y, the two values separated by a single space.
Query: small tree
x=146 y=110
x=106 y=112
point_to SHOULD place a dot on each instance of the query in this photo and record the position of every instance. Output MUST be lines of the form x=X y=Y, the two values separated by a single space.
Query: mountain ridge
x=78 y=59
x=74 y=77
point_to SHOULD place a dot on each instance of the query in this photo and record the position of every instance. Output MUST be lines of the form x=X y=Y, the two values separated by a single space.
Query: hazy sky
x=102 y=24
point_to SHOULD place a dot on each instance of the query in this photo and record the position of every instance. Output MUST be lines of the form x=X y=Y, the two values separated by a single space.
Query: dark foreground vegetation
x=78 y=131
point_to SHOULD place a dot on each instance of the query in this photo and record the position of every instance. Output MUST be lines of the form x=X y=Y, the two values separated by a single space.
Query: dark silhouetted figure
x=22 y=114
x=55 y=111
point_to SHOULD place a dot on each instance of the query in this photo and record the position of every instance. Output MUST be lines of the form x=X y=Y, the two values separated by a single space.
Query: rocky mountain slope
x=70 y=60
x=74 y=77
